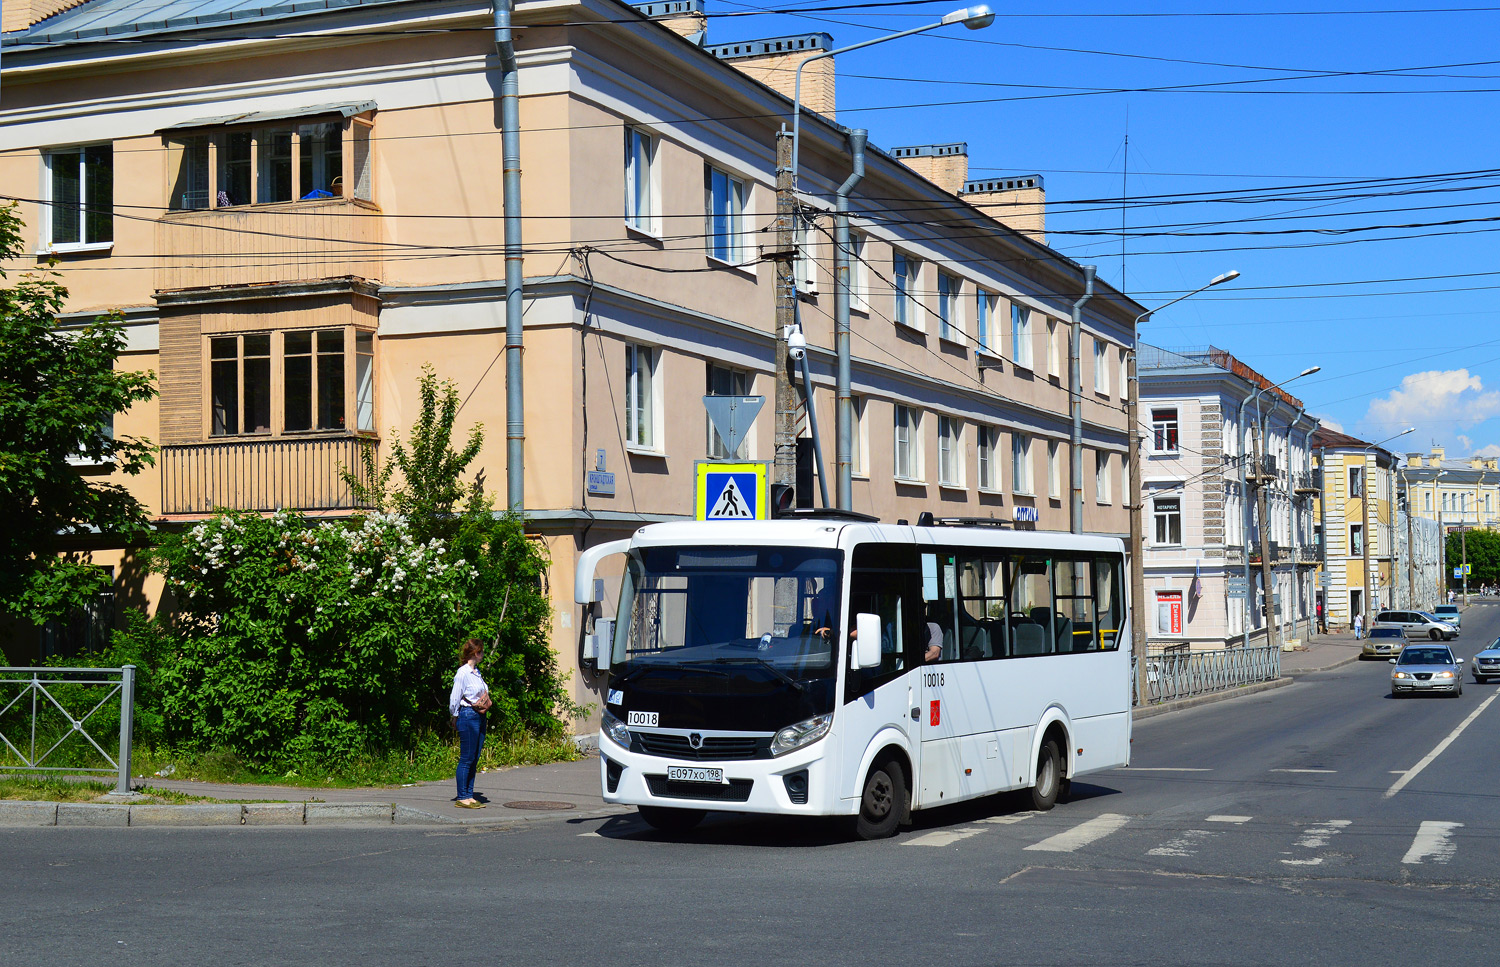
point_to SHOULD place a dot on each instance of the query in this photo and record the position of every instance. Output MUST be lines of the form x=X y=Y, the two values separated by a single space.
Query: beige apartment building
x=295 y=210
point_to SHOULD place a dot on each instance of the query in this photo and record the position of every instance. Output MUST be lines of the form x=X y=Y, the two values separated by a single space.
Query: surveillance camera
x=796 y=345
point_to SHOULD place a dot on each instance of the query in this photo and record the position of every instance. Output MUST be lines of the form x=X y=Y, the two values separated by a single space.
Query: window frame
x=1168 y=517
x=354 y=178
x=912 y=445
x=859 y=440
x=859 y=274
x=1102 y=485
x=1054 y=470
x=87 y=204
x=1020 y=336
x=950 y=310
x=1166 y=429
x=634 y=352
x=986 y=304
x=950 y=452
x=1101 y=367
x=358 y=397
x=1022 y=483
x=1356 y=482
x=989 y=460
x=906 y=277
x=1356 y=531
x=729 y=246
x=1054 y=364
x=647 y=220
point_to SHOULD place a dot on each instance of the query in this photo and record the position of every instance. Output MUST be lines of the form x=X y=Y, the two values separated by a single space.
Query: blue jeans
x=470 y=742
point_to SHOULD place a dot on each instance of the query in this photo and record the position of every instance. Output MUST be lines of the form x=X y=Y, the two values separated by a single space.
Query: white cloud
x=1440 y=402
x=1492 y=450
x=1330 y=422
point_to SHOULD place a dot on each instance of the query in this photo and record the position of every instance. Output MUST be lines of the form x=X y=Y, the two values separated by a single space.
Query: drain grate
x=539 y=804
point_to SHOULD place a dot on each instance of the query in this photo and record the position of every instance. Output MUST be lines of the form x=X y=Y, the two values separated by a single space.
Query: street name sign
x=731 y=491
x=1237 y=588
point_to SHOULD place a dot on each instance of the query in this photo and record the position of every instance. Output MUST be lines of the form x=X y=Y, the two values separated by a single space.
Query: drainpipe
x=844 y=417
x=1075 y=389
x=1323 y=494
x=1298 y=598
x=510 y=148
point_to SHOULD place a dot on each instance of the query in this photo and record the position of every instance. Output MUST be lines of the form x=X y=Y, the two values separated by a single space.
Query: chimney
x=1019 y=203
x=1438 y=455
x=1476 y=462
x=1413 y=459
x=20 y=14
x=1492 y=463
x=685 y=17
x=774 y=61
x=945 y=165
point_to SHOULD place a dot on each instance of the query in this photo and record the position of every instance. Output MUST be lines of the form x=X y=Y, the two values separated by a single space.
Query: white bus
x=833 y=665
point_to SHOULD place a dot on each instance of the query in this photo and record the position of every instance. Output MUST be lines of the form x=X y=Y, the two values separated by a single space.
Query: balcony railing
x=1307 y=482
x=261 y=475
x=255 y=244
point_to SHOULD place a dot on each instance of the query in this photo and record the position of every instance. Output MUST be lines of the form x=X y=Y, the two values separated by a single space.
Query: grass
x=62 y=789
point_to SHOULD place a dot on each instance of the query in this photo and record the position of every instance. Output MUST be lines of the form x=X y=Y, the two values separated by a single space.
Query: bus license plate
x=695 y=774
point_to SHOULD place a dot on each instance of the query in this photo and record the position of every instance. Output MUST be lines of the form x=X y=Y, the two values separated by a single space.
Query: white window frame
x=859 y=274
x=1163 y=428
x=1359 y=551
x=1021 y=480
x=906 y=275
x=1102 y=486
x=1101 y=367
x=859 y=441
x=1020 y=336
x=950 y=310
x=727 y=246
x=1054 y=470
x=907 y=440
x=642 y=181
x=950 y=452
x=1163 y=517
x=51 y=163
x=1054 y=364
x=643 y=363
x=1356 y=481
x=807 y=263
x=985 y=305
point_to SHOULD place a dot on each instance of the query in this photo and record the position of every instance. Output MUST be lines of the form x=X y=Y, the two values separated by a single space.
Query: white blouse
x=468 y=685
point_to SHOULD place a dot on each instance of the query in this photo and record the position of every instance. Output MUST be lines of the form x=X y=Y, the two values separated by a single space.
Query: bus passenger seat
x=1030 y=639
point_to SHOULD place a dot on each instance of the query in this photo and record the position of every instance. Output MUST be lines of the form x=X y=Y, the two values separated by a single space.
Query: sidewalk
x=1321 y=653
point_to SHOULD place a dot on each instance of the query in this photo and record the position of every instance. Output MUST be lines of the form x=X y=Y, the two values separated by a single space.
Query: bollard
x=127 y=716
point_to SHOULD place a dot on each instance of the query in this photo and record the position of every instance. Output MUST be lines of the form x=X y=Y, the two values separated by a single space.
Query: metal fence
x=1173 y=676
x=90 y=690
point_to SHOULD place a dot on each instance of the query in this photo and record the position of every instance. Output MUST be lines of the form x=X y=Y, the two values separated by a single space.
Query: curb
x=15 y=813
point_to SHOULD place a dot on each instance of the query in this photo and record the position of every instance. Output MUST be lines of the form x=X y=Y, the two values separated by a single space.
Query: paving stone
x=193 y=814
x=92 y=814
x=28 y=813
x=335 y=813
x=273 y=814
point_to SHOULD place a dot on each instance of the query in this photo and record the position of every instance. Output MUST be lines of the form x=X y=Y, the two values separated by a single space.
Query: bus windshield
x=723 y=609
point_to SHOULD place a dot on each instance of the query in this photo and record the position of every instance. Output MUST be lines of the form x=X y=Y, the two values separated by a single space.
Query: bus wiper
x=764 y=664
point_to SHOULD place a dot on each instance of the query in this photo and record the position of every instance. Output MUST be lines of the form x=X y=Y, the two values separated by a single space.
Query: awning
x=259 y=117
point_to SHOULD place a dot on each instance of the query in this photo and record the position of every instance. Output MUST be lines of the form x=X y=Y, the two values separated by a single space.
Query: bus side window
x=1075 y=605
x=1031 y=610
x=981 y=609
x=1109 y=601
x=885 y=580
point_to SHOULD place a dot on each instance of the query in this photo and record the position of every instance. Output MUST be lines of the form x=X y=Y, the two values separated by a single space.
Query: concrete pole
x=1273 y=627
x=784 y=470
x=844 y=394
x=1137 y=521
x=1075 y=389
x=1323 y=531
x=510 y=152
x=1365 y=535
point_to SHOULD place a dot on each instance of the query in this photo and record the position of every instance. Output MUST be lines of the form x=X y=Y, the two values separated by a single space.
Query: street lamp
x=973 y=18
x=1137 y=524
x=1272 y=628
x=1365 y=519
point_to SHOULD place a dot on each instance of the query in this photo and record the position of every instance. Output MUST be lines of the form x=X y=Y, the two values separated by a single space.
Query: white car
x=1416 y=624
x=1450 y=614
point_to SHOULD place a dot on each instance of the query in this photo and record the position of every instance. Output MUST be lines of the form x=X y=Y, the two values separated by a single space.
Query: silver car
x=1427 y=668
x=1451 y=614
x=1487 y=663
x=1416 y=624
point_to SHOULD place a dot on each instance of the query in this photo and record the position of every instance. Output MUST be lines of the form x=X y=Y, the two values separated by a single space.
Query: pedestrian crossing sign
x=731 y=491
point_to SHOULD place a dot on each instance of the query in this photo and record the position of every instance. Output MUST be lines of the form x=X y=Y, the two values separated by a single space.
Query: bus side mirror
x=867 y=641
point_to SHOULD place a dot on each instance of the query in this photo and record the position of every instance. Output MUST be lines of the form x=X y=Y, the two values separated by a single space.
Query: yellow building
x=1357 y=527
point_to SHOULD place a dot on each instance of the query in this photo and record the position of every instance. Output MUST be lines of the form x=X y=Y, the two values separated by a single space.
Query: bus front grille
x=737 y=790
x=714 y=747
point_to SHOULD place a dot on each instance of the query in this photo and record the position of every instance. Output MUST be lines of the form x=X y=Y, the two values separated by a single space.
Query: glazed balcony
x=300 y=241
x=262 y=475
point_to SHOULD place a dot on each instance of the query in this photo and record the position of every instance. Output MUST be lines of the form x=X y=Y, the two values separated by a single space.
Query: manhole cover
x=539 y=804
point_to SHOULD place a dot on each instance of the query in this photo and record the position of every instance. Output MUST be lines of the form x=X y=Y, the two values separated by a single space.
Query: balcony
x=1280 y=553
x=261 y=475
x=257 y=244
x=1307 y=483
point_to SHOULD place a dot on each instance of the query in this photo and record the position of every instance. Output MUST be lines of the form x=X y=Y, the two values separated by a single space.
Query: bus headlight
x=615 y=729
x=803 y=733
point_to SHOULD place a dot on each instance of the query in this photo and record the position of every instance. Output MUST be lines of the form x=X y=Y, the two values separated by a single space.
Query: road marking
x=1162 y=769
x=1185 y=845
x=1412 y=773
x=1007 y=820
x=943 y=837
x=1434 y=841
x=1318 y=772
x=1081 y=835
x=1228 y=819
x=1316 y=836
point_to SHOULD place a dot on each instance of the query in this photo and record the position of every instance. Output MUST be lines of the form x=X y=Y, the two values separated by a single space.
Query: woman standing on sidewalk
x=467 y=704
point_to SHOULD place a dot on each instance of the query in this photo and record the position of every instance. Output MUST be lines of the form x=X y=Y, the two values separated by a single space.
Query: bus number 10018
x=932 y=679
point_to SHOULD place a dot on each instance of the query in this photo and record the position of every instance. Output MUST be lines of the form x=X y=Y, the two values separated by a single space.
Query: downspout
x=844 y=395
x=1299 y=599
x=1075 y=388
x=510 y=148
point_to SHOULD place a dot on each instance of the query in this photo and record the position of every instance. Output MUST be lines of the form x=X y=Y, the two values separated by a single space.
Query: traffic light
x=783 y=499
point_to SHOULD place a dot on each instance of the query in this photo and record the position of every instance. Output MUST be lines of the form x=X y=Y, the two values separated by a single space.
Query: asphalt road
x=1307 y=824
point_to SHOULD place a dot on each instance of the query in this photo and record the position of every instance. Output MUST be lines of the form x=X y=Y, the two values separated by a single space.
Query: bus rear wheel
x=670 y=820
x=882 y=801
x=1048 y=778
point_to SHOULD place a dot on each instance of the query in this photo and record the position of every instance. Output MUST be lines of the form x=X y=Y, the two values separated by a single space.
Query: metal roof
x=257 y=117
x=104 y=19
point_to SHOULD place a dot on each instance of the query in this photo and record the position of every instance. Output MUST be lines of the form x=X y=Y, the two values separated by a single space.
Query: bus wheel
x=881 y=803
x=670 y=820
x=1048 y=778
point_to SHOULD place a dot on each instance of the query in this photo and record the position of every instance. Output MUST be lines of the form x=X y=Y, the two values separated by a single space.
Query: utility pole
x=1137 y=523
x=1273 y=628
x=784 y=254
x=1463 y=542
x=1364 y=536
x=1411 y=556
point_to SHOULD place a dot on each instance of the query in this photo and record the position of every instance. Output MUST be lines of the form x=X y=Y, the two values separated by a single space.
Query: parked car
x=1416 y=624
x=1450 y=614
x=1487 y=663
x=1427 y=668
x=1384 y=641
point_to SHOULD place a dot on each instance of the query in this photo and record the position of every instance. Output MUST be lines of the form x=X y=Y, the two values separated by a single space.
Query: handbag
x=482 y=703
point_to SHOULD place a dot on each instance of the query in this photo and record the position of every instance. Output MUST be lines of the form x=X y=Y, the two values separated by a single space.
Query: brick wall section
x=1024 y=210
x=948 y=172
x=686 y=25
x=779 y=72
x=20 y=14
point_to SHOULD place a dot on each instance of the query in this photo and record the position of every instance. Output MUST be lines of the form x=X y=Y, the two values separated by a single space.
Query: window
x=950 y=452
x=908 y=444
x=364 y=381
x=640 y=397
x=1054 y=356
x=641 y=190
x=1020 y=336
x=989 y=466
x=724 y=208
x=1428 y=500
x=1125 y=372
x=1101 y=477
x=1164 y=430
x=1054 y=469
x=1167 y=513
x=80 y=187
x=313 y=384
x=1356 y=481
x=1357 y=540
x=984 y=319
x=1169 y=612
x=906 y=271
x=302 y=160
x=950 y=325
x=858 y=440
x=723 y=381
x=1101 y=368
x=807 y=263
x=240 y=384
x=859 y=275
x=308 y=385
x=1020 y=464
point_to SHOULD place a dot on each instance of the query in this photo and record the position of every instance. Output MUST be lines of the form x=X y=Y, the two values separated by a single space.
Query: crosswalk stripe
x=1315 y=837
x=1007 y=820
x=1228 y=819
x=1081 y=835
x=943 y=837
x=1434 y=841
x=1185 y=845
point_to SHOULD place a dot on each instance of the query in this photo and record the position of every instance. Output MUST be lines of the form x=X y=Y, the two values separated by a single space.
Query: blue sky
x=1313 y=163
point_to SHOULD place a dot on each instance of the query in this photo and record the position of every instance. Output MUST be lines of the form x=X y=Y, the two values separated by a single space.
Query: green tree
x=59 y=392
x=1483 y=557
